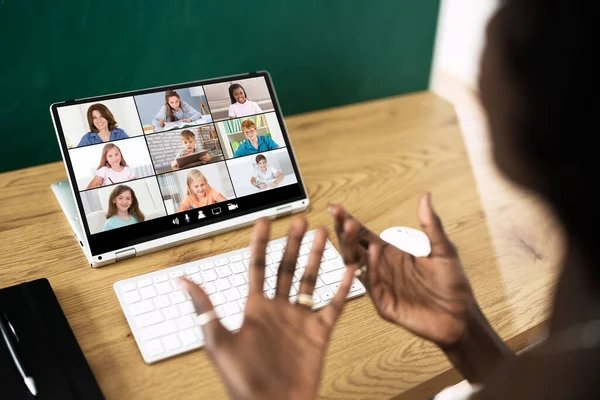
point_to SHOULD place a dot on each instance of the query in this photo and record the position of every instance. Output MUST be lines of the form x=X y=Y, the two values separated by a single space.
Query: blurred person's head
x=538 y=81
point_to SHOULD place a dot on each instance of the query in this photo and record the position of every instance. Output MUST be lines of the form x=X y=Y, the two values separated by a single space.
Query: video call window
x=122 y=205
x=99 y=122
x=173 y=109
x=111 y=163
x=239 y=98
x=250 y=135
x=194 y=188
x=261 y=172
x=184 y=148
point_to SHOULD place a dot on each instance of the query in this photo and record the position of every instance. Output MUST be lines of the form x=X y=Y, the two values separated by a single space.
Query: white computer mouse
x=410 y=240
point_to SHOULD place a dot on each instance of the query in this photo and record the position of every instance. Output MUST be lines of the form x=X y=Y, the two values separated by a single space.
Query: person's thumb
x=432 y=226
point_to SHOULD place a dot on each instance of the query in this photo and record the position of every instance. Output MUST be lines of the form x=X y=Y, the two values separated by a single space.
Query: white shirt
x=241 y=110
x=110 y=176
x=266 y=177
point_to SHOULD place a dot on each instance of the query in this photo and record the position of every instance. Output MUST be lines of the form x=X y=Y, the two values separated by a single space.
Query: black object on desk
x=46 y=347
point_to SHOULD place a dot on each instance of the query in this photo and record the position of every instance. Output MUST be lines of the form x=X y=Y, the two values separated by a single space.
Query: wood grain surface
x=375 y=158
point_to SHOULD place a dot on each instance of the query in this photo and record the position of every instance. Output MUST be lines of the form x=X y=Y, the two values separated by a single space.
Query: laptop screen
x=156 y=162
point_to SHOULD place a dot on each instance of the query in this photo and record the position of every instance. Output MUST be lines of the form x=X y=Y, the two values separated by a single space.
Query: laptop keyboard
x=163 y=320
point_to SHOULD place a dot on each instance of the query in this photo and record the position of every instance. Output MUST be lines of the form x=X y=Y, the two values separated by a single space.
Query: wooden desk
x=376 y=158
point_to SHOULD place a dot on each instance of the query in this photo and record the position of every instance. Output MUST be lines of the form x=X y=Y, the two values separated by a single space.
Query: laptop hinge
x=284 y=211
x=123 y=254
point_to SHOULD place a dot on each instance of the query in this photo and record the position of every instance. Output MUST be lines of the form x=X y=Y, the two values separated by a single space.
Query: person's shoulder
x=110 y=223
x=120 y=133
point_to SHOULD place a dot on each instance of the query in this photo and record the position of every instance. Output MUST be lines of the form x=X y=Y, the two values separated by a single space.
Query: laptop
x=193 y=158
x=122 y=202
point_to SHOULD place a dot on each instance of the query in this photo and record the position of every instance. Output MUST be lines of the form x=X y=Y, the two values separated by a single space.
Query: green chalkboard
x=320 y=53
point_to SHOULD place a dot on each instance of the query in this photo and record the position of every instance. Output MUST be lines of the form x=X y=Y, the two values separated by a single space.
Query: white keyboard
x=163 y=320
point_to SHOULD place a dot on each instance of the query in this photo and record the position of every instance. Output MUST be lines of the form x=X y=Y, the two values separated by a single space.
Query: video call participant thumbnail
x=240 y=105
x=123 y=208
x=174 y=109
x=103 y=126
x=266 y=176
x=112 y=168
x=199 y=192
x=254 y=143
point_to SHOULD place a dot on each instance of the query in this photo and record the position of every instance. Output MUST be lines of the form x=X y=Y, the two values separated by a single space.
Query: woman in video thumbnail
x=103 y=126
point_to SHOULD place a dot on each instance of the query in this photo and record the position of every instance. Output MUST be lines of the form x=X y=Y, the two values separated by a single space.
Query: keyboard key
x=246 y=263
x=128 y=287
x=235 y=258
x=307 y=239
x=131 y=297
x=302 y=261
x=237 y=268
x=209 y=276
x=244 y=290
x=223 y=272
x=304 y=250
x=275 y=256
x=198 y=332
x=177 y=297
x=319 y=283
x=324 y=293
x=209 y=288
x=356 y=286
x=217 y=299
x=299 y=272
x=221 y=262
x=330 y=254
x=145 y=282
x=154 y=347
x=272 y=281
x=207 y=266
x=158 y=330
x=191 y=270
x=185 y=322
x=162 y=301
x=220 y=311
x=268 y=272
x=234 y=322
x=142 y=307
x=176 y=274
x=276 y=247
x=171 y=312
x=187 y=337
x=186 y=308
x=231 y=308
x=237 y=280
x=171 y=342
x=148 y=292
x=247 y=255
x=164 y=288
x=196 y=278
x=222 y=284
x=148 y=319
x=332 y=265
x=232 y=294
x=242 y=304
x=333 y=277
x=293 y=291
x=160 y=278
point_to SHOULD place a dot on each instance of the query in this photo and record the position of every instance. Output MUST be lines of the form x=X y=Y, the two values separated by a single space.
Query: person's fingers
x=340 y=215
x=332 y=312
x=309 y=278
x=260 y=238
x=214 y=333
x=432 y=226
x=369 y=277
x=285 y=273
